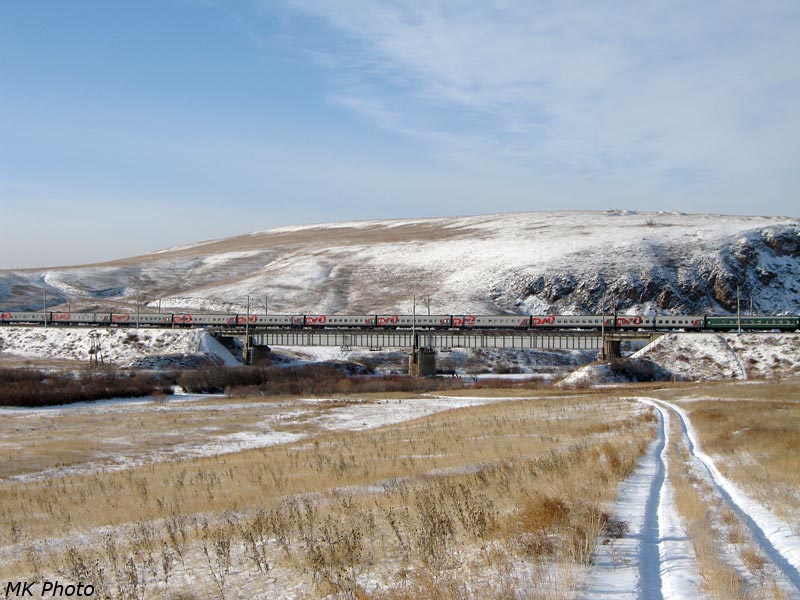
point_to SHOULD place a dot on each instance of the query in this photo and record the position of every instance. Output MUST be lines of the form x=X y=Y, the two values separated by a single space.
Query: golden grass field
x=476 y=502
x=753 y=433
x=763 y=463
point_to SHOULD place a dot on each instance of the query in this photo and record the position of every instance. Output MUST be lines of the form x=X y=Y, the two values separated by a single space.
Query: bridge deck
x=523 y=340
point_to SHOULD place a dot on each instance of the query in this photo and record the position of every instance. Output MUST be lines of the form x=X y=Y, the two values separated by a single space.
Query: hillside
x=706 y=356
x=536 y=263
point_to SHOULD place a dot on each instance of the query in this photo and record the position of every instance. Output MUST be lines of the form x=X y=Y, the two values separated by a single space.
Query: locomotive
x=396 y=321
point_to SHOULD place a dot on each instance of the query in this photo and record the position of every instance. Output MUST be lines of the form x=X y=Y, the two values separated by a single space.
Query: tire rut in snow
x=789 y=570
x=617 y=572
x=650 y=583
x=655 y=559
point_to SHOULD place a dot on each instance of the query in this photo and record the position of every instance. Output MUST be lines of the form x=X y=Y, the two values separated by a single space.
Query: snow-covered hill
x=564 y=262
x=143 y=348
x=694 y=356
x=707 y=356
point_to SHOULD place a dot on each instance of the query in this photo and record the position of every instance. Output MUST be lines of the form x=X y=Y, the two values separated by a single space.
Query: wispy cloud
x=683 y=92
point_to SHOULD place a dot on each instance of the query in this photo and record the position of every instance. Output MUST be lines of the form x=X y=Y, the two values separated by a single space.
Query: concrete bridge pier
x=259 y=354
x=244 y=348
x=612 y=349
x=422 y=362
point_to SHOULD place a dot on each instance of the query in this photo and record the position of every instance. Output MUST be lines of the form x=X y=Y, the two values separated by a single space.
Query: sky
x=136 y=125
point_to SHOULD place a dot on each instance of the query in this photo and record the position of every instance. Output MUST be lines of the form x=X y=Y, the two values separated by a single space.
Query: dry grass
x=720 y=580
x=14 y=361
x=41 y=440
x=753 y=433
x=728 y=559
x=459 y=502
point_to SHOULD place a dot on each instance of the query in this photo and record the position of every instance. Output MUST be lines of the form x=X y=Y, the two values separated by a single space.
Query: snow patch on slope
x=702 y=356
x=121 y=347
x=563 y=262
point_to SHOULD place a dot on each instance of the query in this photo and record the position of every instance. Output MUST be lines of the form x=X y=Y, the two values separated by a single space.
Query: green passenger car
x=760 y=323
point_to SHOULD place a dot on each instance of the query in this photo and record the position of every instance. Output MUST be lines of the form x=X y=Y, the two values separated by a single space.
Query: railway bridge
x=424 y=344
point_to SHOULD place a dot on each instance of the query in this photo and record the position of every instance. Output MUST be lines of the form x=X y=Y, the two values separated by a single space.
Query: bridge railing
x=556 y=340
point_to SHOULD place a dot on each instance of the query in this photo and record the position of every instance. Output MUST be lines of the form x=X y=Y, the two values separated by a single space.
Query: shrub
x=28 y=387
x=638 y=370
x=320 y=379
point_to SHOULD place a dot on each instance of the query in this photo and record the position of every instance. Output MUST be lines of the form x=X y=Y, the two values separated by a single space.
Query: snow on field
x=775 y=537
x=707 y=356
x=268 y=430
x=699 y=356
x=120 y=347
x=655 y=558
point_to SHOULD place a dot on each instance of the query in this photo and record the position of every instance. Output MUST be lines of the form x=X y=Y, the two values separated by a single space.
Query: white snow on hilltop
x=536 y=263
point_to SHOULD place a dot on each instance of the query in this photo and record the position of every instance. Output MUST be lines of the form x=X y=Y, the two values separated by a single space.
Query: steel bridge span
x=423 y=345
x=439 y=340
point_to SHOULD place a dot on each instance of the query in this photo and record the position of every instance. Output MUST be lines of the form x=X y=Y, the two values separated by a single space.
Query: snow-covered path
x=655 y=559
x=774 y=537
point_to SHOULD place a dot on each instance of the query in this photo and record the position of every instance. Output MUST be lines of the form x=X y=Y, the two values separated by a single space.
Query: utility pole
x=247 y=334
x=44 y=308
x=603 y=328
x=414 y=319
x=738 y=311
x=137 y=309
x=95 y=351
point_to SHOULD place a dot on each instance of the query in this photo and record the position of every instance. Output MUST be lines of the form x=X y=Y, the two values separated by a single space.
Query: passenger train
x=458 y=322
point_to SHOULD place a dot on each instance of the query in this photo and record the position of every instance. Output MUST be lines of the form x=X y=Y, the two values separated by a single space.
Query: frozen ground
x=655 y=559
x=246 y=425
x=697 y=356
x=120 y=347
x=709 y=356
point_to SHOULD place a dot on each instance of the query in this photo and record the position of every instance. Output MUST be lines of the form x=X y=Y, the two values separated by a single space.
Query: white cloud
x=687 y=94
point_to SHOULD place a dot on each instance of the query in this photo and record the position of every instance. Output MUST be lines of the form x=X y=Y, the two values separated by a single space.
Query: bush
x=638 y=370
x=314 y=380
x=29 y=387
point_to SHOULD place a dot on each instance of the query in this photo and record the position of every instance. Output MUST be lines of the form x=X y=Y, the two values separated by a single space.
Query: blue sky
x=131 y=126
